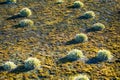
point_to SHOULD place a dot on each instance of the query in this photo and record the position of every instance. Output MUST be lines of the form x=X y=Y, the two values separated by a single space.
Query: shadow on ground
x=91 y=30
x=1 y=69
x=71 y=42
x=65 y=60
x=14 y=17
x=72 y=7
x=6 y=2
x=3 y=3
x=17 y=26
x=83 y=17
x=20 y=69
x=94 y=60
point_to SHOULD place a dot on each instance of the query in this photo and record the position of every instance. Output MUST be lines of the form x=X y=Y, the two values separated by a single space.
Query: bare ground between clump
x=55 y=25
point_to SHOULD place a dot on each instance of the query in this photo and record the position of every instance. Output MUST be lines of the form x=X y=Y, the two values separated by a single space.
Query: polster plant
x=79 y=77
x=32 y=63
x=75 y=54
x=104 y=55
x=78 y=4
x=8 y=66
x=81 y=37
x=26 y=22
x=25 y=12
x=89 y=14
x=98 y=27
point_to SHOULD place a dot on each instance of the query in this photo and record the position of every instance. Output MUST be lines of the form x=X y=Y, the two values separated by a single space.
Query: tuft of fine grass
x=25 y=12
x=32 y=63
x=75 y=54
x=78 y=4
x=26 y=22
x=98 y=27
x=59 y=1
x=89 y=14
x=8 y=66
x=81 y=37
x=79 y=77
x=104 y=55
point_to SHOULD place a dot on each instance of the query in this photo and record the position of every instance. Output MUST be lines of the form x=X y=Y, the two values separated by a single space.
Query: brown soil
x=55 y=25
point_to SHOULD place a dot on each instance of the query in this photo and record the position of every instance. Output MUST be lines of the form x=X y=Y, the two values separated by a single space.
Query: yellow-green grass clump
x=98 y=26
x=25 y=12
x=79 y=77
x=59 y=1
x=8 y=66
x=32 y=63
x=26 y=22
x=75 y=54
x=81 y=37
x=89 y=14
x=78 y=4
x=11 y=1
x=103 y=55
